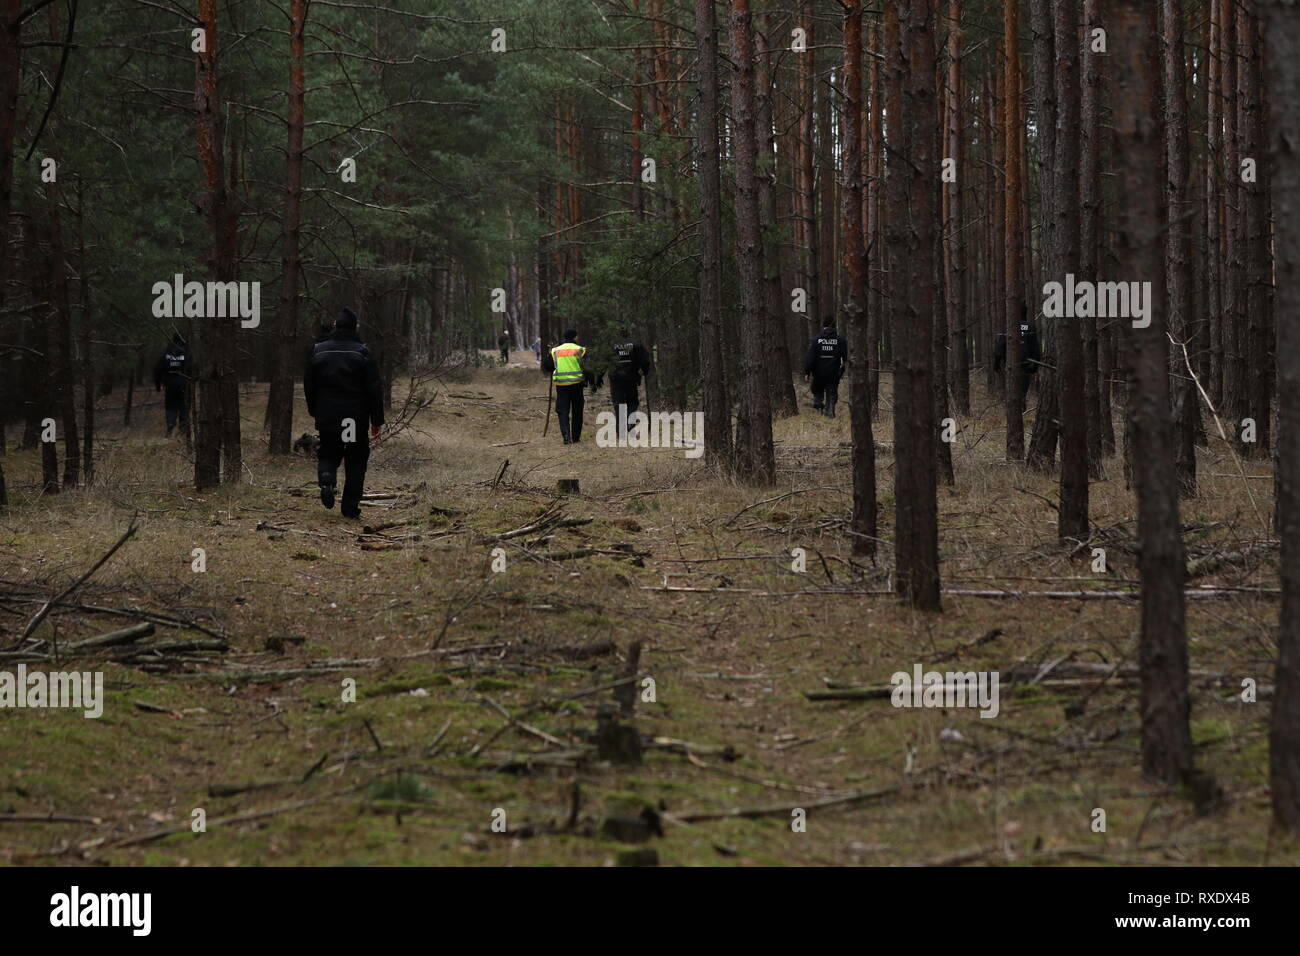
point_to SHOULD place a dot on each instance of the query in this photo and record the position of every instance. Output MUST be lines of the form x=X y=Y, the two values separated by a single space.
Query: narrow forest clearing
x=477 y=691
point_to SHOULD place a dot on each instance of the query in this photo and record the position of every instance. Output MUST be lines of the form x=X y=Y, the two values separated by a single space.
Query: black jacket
x=629 y=362
x=342 y=381
x=172 y=367
x=826 y=353
x=1030 y=354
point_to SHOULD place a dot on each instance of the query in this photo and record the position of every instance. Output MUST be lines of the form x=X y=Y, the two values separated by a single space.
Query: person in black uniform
x=172 y=370
x=345 y=398
x=503 y=343
x=1030 y=354
x=823 y=365
x=628 y=363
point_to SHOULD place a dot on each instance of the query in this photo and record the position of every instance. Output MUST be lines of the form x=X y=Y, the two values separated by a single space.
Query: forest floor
x=418 y=768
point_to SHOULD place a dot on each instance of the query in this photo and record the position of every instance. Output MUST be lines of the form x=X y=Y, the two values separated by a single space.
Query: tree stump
x=567 y=486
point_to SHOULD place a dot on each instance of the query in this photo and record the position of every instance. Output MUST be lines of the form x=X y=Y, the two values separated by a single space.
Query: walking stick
x=550 y=387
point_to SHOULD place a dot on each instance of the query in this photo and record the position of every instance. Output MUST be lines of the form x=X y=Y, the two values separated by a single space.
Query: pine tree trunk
x=1014 y=285
x=717 y=415
x=1047 y=423
x=855 y=307
x=1178 y=263
x=1282 y=37
x=914 y=212
x=784 y=402
x=756 y=462
x=1073 y=523
x=1166 y=737
x=279 y=406
x=1090 y=228
x=955 y=295
x=1256 y=381
x=65 y=382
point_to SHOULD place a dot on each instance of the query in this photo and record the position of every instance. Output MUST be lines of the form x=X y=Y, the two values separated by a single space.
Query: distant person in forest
x=626 y=364
x=345 y=397
x=1030 y=355
x=172 y=370
x=537 y=349
x=564 y=364
x=503 y=343
x=823 y=366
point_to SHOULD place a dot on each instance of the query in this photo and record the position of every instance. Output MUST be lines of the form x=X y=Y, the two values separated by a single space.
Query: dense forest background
x=715 y=177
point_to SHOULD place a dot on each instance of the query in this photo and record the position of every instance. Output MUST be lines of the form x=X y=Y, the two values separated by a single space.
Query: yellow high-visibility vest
x=568 y=364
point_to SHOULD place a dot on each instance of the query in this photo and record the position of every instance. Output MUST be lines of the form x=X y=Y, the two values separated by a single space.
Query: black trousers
x=568 y=406
x=825 y=388
x=624 y=392
x=354 y=455
x=174 y=406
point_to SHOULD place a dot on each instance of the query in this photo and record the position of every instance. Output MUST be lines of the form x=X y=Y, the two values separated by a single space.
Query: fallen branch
x=49 y=605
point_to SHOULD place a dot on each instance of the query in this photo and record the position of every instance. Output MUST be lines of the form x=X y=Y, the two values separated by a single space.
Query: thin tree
x=855 y=306
x=1090 y=229
x=756 y=461
x=717 y=417
x=1165 y=708
x=1073 y=513
x=955 y=295
x=1014 y=282
x=279 y=407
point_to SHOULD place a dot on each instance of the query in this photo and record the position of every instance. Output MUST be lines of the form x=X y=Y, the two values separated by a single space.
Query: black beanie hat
x=347 y=319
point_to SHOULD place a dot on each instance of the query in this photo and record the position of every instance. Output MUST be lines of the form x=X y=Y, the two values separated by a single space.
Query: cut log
x=124 y=636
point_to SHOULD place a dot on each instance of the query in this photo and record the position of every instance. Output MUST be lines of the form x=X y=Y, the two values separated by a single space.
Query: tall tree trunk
x=939 y=328
x=914 y=212
x=875 y=244
x=87 y=356
x=808 y=236
x=1282 y=36
x=65 y=381
x=855 y=307
x=1047 y=423
x=1014 y=288
x=10 y=60
x=1073 y=522
x=279 y=407
x=1231 y=238
x=216 y=364
x=756 y=461
x=1166 y=736
x=717 y=415
x=1178 y=262
x=1090 y=227
x=955 y=297
x=1256 y=380
x=784 y=402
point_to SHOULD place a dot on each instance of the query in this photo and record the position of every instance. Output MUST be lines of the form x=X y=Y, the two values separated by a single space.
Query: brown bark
x=914 y=212
x=279 y=406
x=1165 y=708
x=807 y=205
x=1073 y=512
x=755 y=461
x=717 y=416
x=1231 y=235
x=784 y=402
x=1014 y=289
x=955 y=296
x=217 y=429
x=1047 y=423
x=1090 y=227
x=1178 y=262
x=855 y=307
x=1282 y=37
x=1254 y=351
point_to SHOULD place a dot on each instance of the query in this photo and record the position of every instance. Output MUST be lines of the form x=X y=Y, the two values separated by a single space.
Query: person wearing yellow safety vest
x=564 y=364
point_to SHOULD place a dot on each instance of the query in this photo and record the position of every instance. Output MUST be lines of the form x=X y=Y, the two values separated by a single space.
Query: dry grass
x=730 y=666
